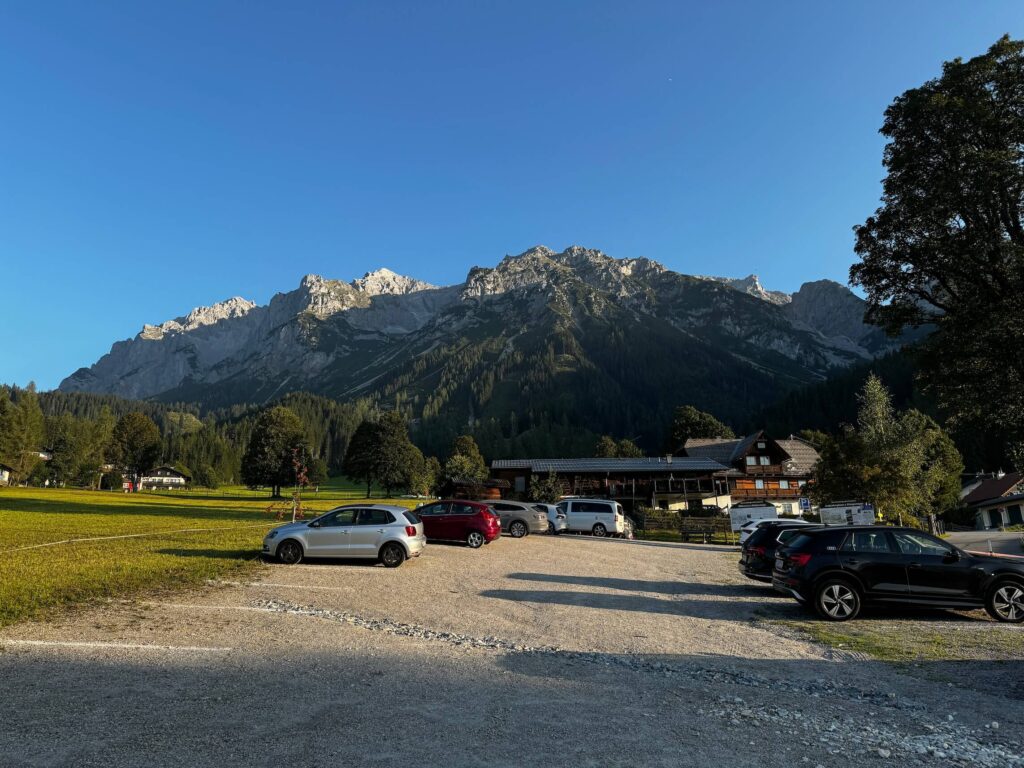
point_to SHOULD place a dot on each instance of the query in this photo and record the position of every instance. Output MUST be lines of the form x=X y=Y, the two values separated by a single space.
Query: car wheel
x=837 y=600
x=600 y=530
x=475 y=539
x=1006 y=602
x=517 y=529
x=392 y=555
x=289 y=552
x=551 y=529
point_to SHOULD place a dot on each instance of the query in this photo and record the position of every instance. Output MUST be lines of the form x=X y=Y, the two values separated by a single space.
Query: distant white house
x=164 y=478
x=5 y=474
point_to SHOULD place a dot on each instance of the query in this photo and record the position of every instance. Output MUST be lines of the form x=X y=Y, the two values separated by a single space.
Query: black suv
x=837 y=570
x=757 y=555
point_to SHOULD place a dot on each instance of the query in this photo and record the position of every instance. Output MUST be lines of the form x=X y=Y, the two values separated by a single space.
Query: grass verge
x=903 y=642
x=36 y=581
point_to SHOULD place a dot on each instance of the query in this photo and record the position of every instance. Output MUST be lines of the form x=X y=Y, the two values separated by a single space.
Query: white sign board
x=847 y=514
x=739 y=516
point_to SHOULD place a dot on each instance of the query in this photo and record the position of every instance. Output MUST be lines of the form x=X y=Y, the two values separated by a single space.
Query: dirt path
x=565 y=651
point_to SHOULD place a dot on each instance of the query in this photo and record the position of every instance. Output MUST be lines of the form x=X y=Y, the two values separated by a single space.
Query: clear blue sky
x=159 y=156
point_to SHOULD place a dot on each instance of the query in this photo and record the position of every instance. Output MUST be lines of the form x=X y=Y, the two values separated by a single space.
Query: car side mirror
x=314 y=524
x=951 y=557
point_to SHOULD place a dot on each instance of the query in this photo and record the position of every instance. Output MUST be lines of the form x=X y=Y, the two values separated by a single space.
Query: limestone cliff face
x=348 y=338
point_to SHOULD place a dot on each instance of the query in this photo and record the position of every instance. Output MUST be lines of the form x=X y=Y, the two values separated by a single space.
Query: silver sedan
x=381 y=532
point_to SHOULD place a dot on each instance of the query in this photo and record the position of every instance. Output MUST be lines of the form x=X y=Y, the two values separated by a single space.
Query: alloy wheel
x=391 y=556
x=289 y=553
x=600 y=530
x=1008 y=602
x=475 y=539
x=838 y=601
x=518 y=530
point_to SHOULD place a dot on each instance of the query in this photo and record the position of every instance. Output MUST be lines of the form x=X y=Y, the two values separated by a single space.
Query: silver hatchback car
x=375 y=531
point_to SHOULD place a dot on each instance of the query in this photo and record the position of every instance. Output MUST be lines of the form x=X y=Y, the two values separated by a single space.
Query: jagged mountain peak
x=236 y=306
x=385 y=282
x=750 y=285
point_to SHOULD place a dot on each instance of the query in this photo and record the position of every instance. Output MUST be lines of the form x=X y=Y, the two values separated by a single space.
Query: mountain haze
x=542 y=339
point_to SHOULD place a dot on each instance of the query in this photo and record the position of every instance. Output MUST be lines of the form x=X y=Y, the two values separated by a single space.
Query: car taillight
x=800 y=558
x=410 y=530
x=756 y=550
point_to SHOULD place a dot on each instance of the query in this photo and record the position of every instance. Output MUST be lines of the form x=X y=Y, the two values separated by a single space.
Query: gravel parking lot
x=543 y=651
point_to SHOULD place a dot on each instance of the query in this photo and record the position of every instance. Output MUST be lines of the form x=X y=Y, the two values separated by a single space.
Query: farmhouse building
x=164 y=477
x=997 y=501
x=669 y=482
x=762 y=468
x=5 y=474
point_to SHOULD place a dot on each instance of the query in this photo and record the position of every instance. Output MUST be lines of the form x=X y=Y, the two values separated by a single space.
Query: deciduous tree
x=270 y=457
x=135 y=444
x=688 y=422
x=946 y=248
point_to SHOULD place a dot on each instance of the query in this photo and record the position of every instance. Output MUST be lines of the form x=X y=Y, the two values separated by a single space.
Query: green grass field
x=39 y=579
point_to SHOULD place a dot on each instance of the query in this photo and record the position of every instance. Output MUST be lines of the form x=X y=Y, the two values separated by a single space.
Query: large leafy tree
x=135 y=444
x=901 y=462
x=359 y=462
x=466 y=462
x=21 y=430
x=277 y=441
x=688 y=422
x=946 y=247
x=608 y=448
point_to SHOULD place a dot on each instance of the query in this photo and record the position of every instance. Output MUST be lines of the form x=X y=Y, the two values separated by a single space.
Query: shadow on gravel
x=729 y=610
x=658 y=587
x=641 y=543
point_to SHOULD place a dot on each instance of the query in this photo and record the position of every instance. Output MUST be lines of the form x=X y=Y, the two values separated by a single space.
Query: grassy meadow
x=37 y=579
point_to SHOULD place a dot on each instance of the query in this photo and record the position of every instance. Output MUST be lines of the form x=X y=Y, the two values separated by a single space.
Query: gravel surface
x=542 y=651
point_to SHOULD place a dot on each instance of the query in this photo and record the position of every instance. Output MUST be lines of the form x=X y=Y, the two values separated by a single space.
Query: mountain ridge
x=543 y=331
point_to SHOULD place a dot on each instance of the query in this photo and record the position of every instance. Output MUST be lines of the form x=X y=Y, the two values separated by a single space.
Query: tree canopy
x=136 y=444
x=946 y=248
x=688 y=422
x=278 y=441
x=609 y=448
x=901 y=462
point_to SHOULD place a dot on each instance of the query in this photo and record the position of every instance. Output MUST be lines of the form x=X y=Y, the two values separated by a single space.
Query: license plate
x=779 y=563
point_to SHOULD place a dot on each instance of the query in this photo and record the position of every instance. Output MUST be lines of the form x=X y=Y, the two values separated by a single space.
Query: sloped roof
x=994 y=488
x=649 y=464
x=802 y=453
x=718 y=449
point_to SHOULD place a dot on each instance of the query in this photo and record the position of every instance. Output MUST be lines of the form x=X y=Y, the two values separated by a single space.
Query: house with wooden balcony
x=761 y=468
x=666 y=482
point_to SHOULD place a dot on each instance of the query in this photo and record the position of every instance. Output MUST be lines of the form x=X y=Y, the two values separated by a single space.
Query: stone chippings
x=942 y=741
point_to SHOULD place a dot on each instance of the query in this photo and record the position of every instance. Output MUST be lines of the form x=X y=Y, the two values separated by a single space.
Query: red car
x=456 y=520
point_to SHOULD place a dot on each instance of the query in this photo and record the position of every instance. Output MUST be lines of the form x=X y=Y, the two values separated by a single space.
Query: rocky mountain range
x=548 y=336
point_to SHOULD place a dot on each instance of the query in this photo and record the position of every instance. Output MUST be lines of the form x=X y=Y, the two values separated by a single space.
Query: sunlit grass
x=35 y=581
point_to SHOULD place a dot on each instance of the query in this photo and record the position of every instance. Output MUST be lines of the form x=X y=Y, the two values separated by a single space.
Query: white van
x=600 y=517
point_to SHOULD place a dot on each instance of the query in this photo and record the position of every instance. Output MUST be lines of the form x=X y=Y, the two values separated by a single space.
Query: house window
x=787 y=509
x=520 y=484
x=784 y=485
x=751 y=461
x=761 y=445
x=759 y=485
x=801 y=483
x=765 y=461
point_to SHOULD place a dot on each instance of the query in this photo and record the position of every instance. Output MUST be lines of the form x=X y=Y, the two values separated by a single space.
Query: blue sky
x=159 y=156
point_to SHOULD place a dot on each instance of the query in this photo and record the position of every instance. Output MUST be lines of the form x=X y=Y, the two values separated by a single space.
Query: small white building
x=5 y=474
x=167 y=478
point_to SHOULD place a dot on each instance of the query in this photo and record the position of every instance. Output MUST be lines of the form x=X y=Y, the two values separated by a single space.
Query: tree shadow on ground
x=659 y=587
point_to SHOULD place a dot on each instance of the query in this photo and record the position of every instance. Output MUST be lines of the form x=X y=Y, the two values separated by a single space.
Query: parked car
x=747 y=529
x=556 y=517
x=519 y=519
x=377 y=531
x=600 y=517
x=455 y=520
x=757 y=554
x=839 y=570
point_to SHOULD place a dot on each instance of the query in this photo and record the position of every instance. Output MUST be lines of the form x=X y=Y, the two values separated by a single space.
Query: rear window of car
x=464 y=509
x=374 y=517
x=800 y=541
x=591 y=506
x=412 y=517
x=867 y=541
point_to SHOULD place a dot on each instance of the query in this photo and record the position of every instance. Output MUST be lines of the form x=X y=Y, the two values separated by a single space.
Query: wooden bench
x=704 y=528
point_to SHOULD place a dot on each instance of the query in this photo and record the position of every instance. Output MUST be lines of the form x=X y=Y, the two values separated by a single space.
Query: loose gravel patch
x=545 y=651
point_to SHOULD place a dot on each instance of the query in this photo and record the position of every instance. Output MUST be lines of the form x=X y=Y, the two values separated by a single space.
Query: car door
x=935 y=570
x=369 y=532
x=581 y=516
x=433 y=517
x=872 y=556
x=330 y=535
x=461 y=519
